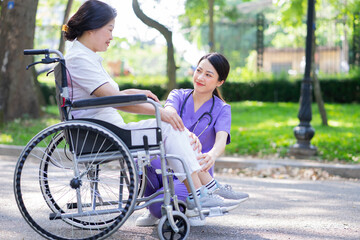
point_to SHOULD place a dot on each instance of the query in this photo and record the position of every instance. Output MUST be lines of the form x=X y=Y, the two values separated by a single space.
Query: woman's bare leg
x=205 y=177
x=196 y=181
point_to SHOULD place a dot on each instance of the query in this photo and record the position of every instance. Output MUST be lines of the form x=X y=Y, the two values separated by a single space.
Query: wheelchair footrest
x=215 y=211
x=208 y=212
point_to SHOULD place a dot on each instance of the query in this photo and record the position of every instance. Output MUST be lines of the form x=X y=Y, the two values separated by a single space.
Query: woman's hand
x=195 y=142
x=148 y=93
x=206 y=161
x=170 y=116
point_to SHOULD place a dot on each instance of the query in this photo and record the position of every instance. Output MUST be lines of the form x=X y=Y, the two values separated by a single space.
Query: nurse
x=205 y=113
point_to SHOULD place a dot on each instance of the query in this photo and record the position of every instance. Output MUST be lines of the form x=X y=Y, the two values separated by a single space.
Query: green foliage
x=20 y=131
x=262 y=87
x=196 y=15
x=146 y=80
x=258 y=129
x=340 y=140
x=335 y=91
x=332 y=18
x=263 y=129
x=49 y=19
x=293 y=12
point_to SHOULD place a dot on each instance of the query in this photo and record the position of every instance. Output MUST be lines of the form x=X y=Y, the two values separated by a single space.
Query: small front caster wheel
x=165 y=230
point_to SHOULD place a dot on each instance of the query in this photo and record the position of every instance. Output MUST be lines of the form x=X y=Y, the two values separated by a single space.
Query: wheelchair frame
x=88 y=179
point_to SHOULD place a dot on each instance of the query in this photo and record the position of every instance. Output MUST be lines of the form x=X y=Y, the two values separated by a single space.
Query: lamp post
x=304 y=132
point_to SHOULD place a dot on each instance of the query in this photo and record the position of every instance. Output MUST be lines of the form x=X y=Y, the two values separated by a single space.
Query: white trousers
x=175 y=142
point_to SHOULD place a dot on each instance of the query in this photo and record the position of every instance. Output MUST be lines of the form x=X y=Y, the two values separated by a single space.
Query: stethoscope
x=203 y=115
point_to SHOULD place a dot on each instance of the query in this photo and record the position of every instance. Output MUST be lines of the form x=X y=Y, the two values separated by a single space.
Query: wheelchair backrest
x=60 y=101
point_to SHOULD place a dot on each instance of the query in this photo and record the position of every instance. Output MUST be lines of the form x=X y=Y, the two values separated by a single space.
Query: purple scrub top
x=221 y=114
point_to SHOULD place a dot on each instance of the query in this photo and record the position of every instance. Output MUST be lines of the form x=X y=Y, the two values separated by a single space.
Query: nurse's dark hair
x=222 y=67
x=93 y=14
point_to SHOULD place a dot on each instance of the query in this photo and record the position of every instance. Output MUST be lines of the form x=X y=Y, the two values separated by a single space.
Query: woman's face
x=206 y=78
x=101 y=37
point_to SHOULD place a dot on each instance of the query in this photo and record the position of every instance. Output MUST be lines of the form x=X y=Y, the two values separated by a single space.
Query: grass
x=258 y=129
x=264 y=129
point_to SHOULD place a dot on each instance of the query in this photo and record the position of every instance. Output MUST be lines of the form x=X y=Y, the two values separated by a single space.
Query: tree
x=203 y=12
x=66 y=17
x=211 y=26
x=19 y=91
x=170 y=63
x=316 y=83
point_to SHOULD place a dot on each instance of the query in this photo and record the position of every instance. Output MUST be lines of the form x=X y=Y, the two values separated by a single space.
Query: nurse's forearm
x=219 y=145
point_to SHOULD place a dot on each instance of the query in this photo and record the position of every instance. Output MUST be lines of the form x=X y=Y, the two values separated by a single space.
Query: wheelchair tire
x=86 y=177
x=165 y=231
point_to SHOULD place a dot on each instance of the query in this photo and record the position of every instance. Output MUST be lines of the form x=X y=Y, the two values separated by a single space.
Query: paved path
x=277 y=209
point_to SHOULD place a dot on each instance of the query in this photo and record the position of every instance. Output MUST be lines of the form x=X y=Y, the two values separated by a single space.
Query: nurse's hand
x=173 y=118
x=206 y=161
x=195 y=142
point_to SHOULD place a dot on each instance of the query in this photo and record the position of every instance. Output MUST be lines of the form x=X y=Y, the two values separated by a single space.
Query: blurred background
x=264 y=41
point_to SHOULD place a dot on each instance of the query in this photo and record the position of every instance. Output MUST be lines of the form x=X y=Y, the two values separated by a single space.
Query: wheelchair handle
x=43 y=51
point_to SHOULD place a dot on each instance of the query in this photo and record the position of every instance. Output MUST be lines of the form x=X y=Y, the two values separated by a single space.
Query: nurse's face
x=206 y=78
x=100 y=38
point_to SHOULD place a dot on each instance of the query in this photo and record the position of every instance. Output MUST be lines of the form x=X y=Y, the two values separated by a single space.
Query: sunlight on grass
x=333 y=123
x=268 y=124
x=253 y=103
x=6 y=139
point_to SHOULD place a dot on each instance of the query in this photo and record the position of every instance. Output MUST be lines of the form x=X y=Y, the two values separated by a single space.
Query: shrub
x=333 y=91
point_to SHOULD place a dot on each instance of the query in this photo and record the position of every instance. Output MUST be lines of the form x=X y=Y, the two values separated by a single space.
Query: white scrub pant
x=175 y=142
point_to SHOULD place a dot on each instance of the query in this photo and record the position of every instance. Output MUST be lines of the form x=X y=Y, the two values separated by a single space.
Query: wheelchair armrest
x=110 y=101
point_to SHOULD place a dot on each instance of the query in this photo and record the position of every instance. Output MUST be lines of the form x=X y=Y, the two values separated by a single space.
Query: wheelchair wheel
x=75 y=180
x=48 y=162
x=181 y=205
x=165 y=230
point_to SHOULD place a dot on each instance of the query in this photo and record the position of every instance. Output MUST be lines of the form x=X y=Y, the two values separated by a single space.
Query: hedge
x=333 y=91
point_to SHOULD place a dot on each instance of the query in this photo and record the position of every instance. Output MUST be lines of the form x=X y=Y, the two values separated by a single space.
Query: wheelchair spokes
x=77 y=195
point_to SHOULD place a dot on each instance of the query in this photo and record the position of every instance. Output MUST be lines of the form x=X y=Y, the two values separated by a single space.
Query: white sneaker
x=196 y=221
x=209 y=200
x=146 y=220
x=226 y=192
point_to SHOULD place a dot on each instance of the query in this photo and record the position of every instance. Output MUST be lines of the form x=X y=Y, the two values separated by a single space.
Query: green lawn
x=267 y=128
x=258 y=129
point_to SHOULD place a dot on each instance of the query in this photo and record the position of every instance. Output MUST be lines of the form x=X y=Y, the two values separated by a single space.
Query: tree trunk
x=19 y=93
x=319 y=100
x=66 y=17
x=317 y=89
x=170 y=64
x=211 y=26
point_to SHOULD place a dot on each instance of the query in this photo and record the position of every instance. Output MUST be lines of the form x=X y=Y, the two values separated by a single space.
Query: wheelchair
x=83 y=178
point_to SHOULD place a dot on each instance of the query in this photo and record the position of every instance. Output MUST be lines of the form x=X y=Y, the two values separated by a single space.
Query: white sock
x=211 y=186
x=191 y=197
